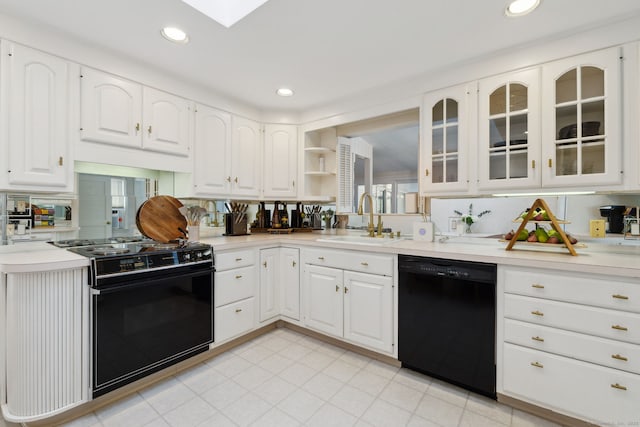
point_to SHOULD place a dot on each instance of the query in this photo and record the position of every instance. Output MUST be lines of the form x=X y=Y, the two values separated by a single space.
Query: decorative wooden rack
x=555 y=224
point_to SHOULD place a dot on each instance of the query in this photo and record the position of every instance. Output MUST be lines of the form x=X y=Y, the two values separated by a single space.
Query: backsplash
x=578 y=210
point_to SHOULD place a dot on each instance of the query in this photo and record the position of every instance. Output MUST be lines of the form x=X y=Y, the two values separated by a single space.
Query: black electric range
x=151 y=306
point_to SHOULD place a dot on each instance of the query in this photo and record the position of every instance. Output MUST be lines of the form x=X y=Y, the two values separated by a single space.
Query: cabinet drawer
x=617 y=325
x=235 y=259
x=615 y=354
x=234 y=319
x=572 y=387
x=234 y=285
x=575 y=287
x=348 y=260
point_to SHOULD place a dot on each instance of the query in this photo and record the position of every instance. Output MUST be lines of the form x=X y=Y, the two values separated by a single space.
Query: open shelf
x=319 y=150
x=318 y=173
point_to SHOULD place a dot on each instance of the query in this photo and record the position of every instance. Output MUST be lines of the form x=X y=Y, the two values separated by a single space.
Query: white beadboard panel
x=45 y=355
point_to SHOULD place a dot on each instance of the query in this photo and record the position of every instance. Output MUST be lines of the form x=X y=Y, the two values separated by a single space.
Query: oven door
x=144 y=322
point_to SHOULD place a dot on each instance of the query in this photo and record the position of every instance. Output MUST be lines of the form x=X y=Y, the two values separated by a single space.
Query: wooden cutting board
x=159 y=218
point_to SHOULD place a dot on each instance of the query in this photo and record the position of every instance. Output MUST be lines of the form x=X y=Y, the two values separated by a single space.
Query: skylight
x=225 y=12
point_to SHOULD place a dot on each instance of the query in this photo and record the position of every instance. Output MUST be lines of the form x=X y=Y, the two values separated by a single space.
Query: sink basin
x=360 y=240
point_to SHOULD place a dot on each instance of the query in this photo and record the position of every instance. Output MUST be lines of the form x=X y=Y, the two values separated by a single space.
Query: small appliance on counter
x=615 y=217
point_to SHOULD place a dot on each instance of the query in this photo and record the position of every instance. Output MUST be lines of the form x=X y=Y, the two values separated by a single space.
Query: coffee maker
x=615 y=217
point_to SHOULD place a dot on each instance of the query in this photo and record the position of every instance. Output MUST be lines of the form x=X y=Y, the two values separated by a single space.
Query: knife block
x=235 y=224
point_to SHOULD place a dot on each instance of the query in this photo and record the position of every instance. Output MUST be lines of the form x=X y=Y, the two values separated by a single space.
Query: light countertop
x=596 y=258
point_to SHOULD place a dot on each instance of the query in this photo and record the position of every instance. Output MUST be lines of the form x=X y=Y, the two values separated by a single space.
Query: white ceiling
x=326 y=50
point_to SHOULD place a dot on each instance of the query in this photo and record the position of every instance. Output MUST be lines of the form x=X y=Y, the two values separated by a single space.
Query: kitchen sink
x=363 y=239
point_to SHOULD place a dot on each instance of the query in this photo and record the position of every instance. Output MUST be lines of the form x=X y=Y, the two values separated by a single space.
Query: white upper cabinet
x=35 y=104
x=280 y=161
x=445 y=150
x=167 y=121
x=246 y=153
x=212 y=151
x=582 y=120
x=509 y=131
x=121 y=112
x=111 y=109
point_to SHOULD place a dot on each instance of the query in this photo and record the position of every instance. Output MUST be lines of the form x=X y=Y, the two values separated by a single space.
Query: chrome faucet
x=370 y=227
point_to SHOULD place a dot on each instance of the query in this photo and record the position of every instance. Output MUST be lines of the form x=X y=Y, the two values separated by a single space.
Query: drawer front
x=234 y=285
x=604 y=292
x=617 y=325
x=235 y=259
x=615 y=354
x=234 y=319
x=348 y=260
x=572 y=387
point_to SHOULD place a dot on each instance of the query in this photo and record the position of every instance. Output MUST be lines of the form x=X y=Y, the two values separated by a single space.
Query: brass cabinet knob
x=537 y=364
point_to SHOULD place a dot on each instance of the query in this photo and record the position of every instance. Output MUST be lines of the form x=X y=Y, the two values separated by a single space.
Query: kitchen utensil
x=159 y=218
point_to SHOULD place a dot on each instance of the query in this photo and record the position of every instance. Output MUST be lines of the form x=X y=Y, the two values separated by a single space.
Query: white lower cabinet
x=290 y=283
x=279 y=283
x=570 y=343
x=235 y=291
x=354 y=305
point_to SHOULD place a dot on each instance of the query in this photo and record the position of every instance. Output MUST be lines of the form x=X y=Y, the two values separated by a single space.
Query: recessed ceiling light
x=285 y=91
x=521 y=7
x=225 y=12
x=175 y=35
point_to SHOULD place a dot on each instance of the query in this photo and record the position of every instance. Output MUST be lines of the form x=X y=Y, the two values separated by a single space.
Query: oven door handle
x=147 y=282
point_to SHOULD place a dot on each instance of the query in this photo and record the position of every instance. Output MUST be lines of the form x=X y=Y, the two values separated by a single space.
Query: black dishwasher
x=447 y=320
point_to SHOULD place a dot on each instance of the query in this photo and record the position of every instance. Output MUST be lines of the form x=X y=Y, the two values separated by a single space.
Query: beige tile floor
x=284 y=378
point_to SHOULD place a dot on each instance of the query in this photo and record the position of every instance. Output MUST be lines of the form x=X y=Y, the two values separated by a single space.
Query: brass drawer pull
x=365 y=264
x=618 y=386
x=337 y=288
x=239 y=276
x=537 y=286
x=618 y=357
x=537 y=313
x=619 y=328
x=537 y=338
x=265 y=264
x=537 y=365
x=238 y=310
x=618 y=296
x=238 y=259
x=346 y=290
x=321 y=258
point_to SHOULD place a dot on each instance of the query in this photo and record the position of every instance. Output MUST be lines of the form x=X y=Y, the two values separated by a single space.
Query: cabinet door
x=36 y=88
x=290 y=282
x=269 y=295
x=110 y=109
x=446 y=146
x=581 y=107
x=368 y=310
x=212 y=156
x=246 y=151
x=509 y=131
x=166 y=119
x=322 y=293
x=280 y=161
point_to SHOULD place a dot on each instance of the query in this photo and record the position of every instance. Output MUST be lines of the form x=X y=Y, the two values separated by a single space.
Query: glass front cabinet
x=445 y=125
x=581 y=115
x=509 y=131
